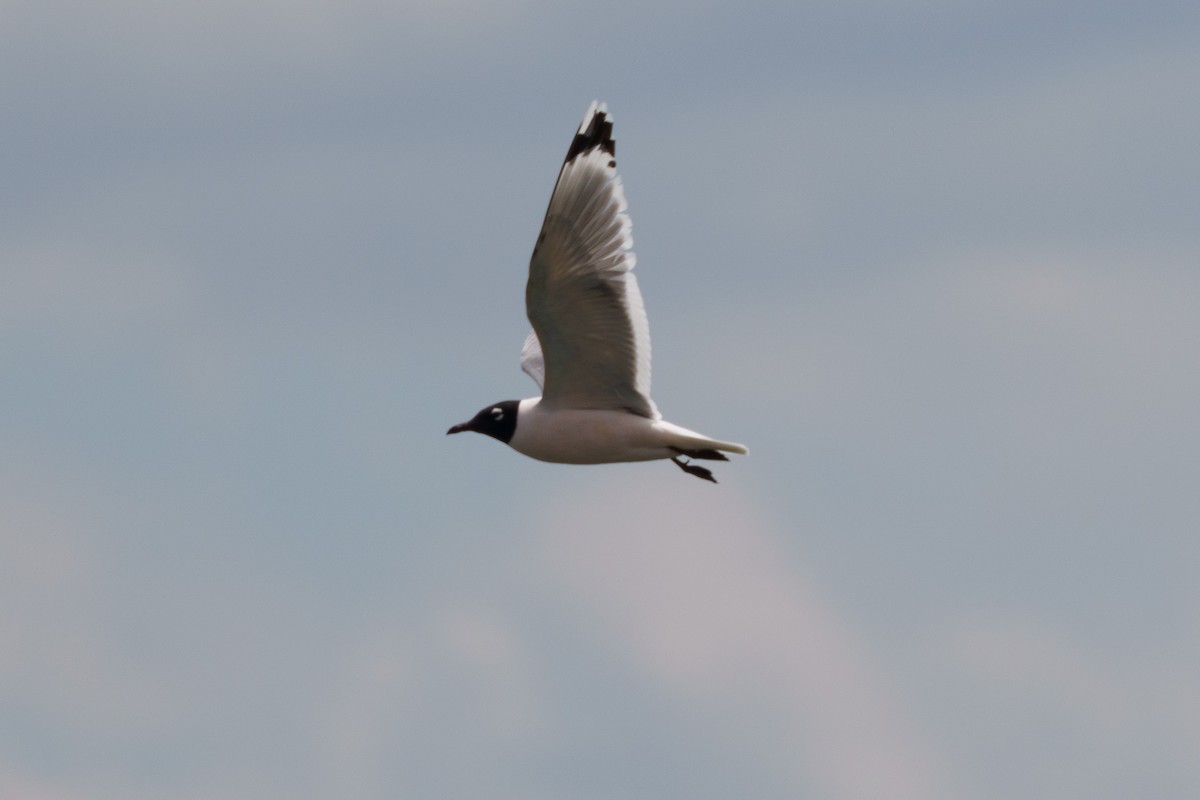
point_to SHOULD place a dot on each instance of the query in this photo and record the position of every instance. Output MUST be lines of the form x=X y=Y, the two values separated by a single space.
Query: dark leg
x=692 y=469
x=710 y=455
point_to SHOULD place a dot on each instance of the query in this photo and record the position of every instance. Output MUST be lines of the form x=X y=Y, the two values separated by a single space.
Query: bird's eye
x=497 y=413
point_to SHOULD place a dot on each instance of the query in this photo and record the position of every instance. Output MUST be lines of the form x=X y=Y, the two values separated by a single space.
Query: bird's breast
x=585 y=436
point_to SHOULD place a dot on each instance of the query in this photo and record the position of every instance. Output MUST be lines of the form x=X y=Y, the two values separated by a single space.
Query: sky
x=937 y=263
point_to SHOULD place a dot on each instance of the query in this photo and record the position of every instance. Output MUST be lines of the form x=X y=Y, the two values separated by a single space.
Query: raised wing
x=582 y=297
x=532 y=362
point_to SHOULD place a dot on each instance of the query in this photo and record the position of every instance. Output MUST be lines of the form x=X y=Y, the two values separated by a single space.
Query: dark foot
x=692 y=469
x=711 y=455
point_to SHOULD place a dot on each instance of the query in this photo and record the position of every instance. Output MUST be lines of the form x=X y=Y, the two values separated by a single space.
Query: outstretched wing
x=532 y=361
x=582 y=297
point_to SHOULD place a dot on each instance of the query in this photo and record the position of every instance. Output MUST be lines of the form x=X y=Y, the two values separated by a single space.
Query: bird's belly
x=587 y=437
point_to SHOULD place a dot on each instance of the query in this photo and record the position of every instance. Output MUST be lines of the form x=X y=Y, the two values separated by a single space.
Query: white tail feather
x=690 y=440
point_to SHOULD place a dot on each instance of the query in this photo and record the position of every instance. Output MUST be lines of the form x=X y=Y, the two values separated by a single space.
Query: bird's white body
x=602 y=436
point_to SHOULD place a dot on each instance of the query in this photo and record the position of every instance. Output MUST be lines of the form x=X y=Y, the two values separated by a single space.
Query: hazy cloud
x=710 y=602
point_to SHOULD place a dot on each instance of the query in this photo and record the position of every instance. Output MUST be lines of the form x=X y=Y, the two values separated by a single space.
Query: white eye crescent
x=497 y=413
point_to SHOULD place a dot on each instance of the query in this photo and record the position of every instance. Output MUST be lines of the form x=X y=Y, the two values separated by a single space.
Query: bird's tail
x=728 y=447
x=684 y=440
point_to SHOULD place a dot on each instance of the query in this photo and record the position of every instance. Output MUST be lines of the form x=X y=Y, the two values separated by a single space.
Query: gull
x=589 y=351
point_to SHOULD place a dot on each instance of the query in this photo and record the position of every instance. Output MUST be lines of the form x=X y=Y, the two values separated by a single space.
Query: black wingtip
x=596 y=131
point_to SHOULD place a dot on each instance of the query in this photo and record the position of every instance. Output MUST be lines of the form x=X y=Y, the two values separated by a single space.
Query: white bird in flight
x=589 y=350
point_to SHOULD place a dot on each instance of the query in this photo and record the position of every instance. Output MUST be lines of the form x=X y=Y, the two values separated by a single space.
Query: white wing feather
x=532 y=362
x=590 y=326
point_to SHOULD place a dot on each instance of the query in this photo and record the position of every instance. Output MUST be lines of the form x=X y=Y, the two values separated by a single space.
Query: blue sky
x=937 y=263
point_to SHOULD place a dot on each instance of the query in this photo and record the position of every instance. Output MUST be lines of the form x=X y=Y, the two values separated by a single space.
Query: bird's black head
x=499 y=421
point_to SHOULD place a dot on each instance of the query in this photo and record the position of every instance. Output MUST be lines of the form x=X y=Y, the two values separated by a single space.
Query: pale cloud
x=489 y=646
x=201 y=50
x=1045 y=668
x=1112 y=719
x=702 y=594
x=74 y=287
x=1082 y=349
x=414 y=691
x=60 y=660
x=311 y=22
x=15 y=784
x=1085 y=343
x=376 y=683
